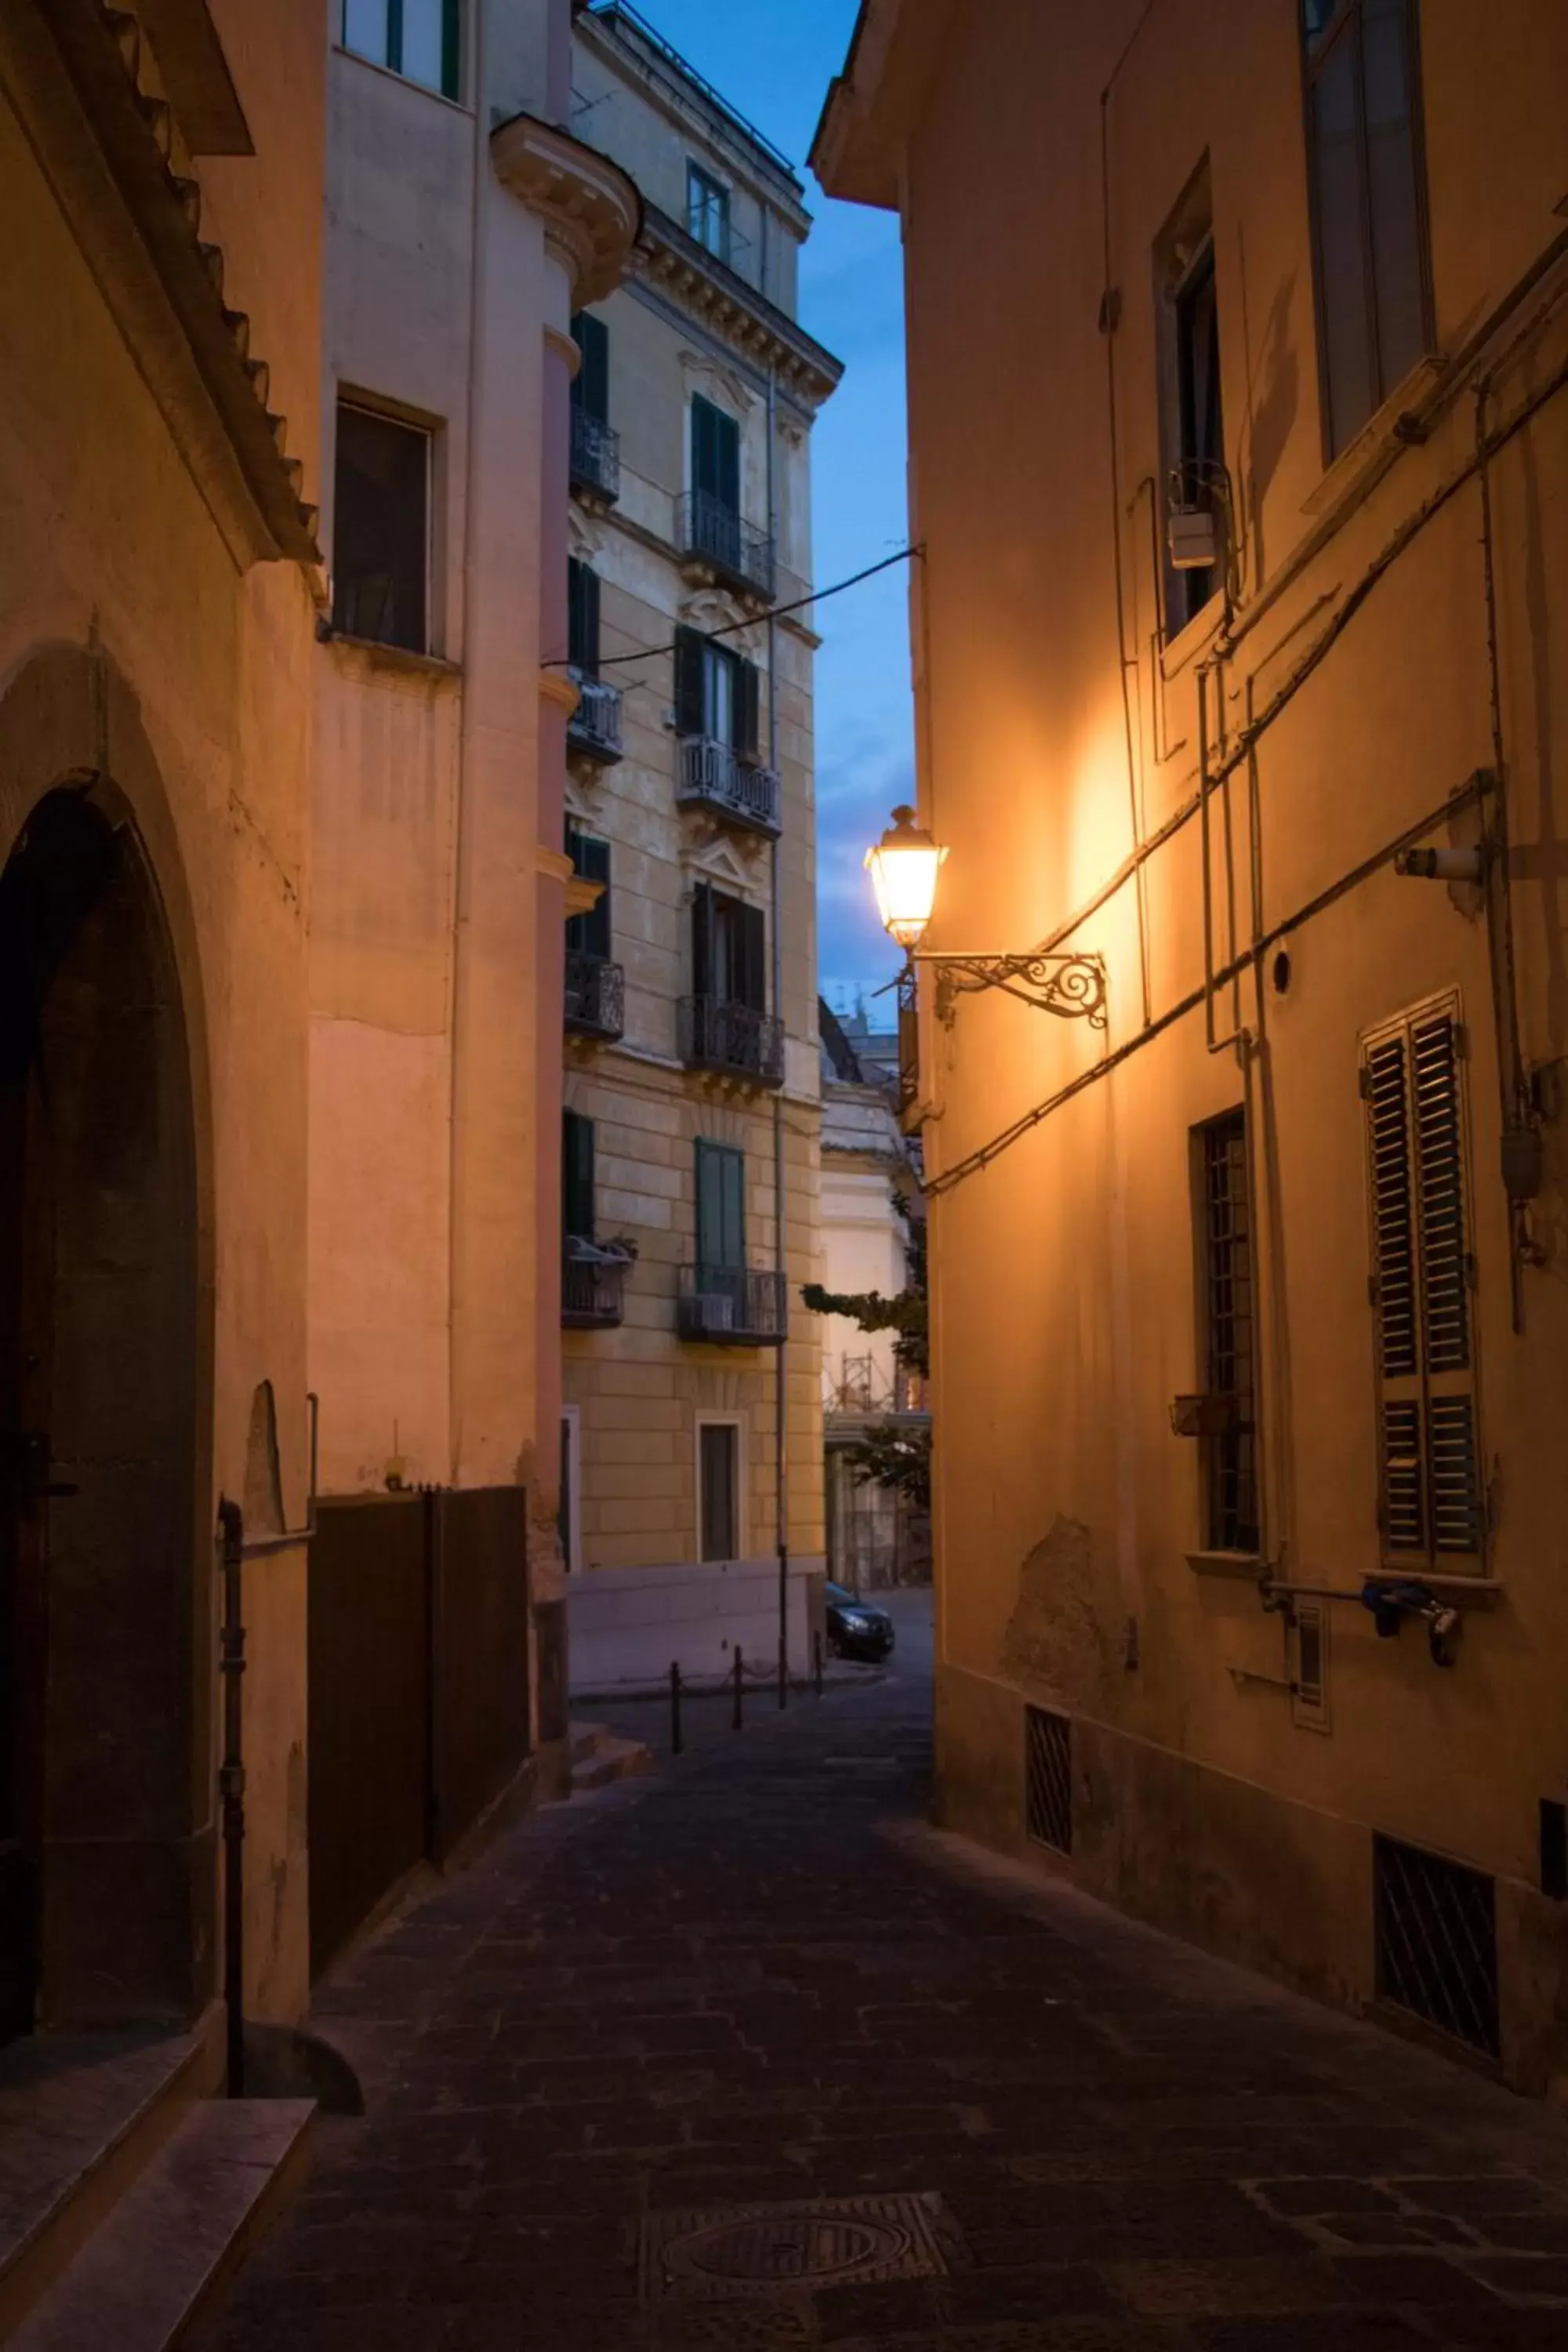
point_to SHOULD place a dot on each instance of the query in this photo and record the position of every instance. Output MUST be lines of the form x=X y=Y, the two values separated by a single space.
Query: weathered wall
x=1066 y=1506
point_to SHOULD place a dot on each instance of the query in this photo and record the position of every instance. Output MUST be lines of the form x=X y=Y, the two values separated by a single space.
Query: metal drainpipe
x=781 y=1497
x=231 y=1787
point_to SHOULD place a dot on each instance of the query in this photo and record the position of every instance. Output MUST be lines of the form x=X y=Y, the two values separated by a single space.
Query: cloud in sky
x=773 y=60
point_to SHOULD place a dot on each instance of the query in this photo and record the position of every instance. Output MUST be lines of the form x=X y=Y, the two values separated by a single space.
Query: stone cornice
x=762 y=334
x=590 y=207
x=873 y=105
x=74 y=71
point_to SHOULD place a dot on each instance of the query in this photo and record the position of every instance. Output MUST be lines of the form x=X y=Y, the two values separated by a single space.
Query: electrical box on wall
x=1192 y=538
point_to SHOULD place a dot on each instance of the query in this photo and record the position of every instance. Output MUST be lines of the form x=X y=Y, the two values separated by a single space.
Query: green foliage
x=897 y=1458
x=907 y=1315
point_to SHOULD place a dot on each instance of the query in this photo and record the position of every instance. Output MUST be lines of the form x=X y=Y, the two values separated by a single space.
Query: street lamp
x=904 y=866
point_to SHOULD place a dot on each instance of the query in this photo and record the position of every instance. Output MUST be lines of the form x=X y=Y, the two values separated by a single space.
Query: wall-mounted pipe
x=231 y=1787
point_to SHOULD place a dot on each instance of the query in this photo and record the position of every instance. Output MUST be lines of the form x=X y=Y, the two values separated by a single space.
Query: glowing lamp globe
x=903 y=867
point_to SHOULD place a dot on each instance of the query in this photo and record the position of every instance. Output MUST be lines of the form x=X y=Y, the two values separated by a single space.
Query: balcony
x=595 y=726
x=731 y=1305
x=596 y=996
x=735 y=1040
x=593 y=1286
x=596 y=457
x=716 y=544
x=715 y=777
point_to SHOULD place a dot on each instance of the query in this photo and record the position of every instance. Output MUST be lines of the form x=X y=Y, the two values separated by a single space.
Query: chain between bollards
x=739 y=1687
x=676 y=1742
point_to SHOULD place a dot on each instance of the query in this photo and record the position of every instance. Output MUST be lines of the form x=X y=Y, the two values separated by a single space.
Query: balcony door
x=728 y=951
x=715 y=456
x=718 y=1466
x=720 y=1207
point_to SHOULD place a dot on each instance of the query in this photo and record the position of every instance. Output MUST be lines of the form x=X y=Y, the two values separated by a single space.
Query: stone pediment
x=720 y=859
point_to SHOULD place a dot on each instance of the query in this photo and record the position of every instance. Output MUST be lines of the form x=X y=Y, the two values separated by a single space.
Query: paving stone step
x=598 y=1757
x=150 y=2274
x=81 y=2115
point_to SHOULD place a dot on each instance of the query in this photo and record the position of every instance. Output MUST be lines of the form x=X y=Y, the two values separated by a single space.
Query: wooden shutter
x=720 y=1445
x=715 y=454
x=748 y=708
x=689 y=710
x=578 y=1176
x=452 y=49
x=702 y=940
x=753 y=958
x=721 y=1205
x=1430 y=1503
x=592 y=933
x=583 y=617
x=590 y=387
x=732 y=1234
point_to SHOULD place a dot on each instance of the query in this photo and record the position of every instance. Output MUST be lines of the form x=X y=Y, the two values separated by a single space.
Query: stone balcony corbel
x=591 y=209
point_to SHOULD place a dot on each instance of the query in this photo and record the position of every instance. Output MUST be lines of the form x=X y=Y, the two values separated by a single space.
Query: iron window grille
x=1048 y=1739
x=1430 y=1503
x=1229 y=1447
x=1436 y=1928
x=1368 y=188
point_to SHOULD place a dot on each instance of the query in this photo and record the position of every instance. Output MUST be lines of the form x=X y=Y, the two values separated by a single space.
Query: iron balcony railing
x=596 y=996
x=715 y=776
x=731 y=1305
x=595 y=726
x=595 y=456
x=593 y=1290
x=713 y=533
x=735 y=1039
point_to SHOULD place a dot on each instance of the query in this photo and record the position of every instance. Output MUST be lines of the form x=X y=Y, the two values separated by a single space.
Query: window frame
x=592 y=933
x=741 y=1530
x=722 y=1157
x=364 y=405
x=1347 y=12
x=453 y=48
x=1211 y=1465
x=1185 y=253
x=716 y=196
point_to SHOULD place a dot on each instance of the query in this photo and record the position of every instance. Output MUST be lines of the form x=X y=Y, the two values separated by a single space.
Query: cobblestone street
x=757 y=1977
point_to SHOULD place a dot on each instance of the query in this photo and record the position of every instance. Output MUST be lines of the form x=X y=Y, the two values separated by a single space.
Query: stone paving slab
x=758 y=1977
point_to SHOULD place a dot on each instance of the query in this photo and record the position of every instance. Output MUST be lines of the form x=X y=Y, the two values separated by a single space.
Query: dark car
x=856 y=1628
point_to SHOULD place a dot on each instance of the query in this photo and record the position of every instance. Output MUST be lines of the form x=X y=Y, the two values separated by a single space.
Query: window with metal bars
x=1435 y=1929
x=1430 y=1507
x=1048 y=1739
x=1229 y=1455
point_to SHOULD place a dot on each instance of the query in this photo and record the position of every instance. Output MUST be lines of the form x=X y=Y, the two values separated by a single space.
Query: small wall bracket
x=1073 y=987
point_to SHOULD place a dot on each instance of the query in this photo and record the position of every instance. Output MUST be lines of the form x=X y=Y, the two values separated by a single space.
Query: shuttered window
x=577 y=1177
x=590 y=385
x=1430 y=1504
x=721 y=1205
x=717 y=694
x=715 y=455
x=590 y=934
x=719 y=1453
x=729 y=950
x=583 y=617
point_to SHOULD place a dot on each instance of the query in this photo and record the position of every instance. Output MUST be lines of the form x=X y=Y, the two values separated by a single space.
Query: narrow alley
x=757 y=1978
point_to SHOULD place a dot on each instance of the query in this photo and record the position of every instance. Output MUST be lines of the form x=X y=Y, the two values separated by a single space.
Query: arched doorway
x=105 y=1856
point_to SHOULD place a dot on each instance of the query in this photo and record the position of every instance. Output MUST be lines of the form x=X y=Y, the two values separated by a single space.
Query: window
x=1368 y=197
x=719 y=1468
x=717 y=694
x=577 y=1177
x=1430 y=1506
x=721 y=1206
x=1230 y=1436
x=421 y=39
x=591 y=385
x=590 y=934
x=729 y=950
x=715 y=456
x=380 y=529
x=1192 y=419
x=583 y=617
x=708 y=211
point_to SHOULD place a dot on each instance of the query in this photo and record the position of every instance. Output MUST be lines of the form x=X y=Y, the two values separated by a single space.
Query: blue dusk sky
x=773 y=61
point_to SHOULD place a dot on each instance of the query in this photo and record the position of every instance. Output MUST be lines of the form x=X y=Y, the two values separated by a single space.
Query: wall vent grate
x=1049 y=1763
x=1436 y=1925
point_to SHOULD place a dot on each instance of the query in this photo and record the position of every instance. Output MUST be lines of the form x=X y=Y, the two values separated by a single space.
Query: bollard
x=783 y=1675
x=817 y=1662
x=676 y=1742
x=740 y=1670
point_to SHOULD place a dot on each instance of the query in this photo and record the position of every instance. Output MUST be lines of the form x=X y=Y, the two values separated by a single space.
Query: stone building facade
x=1238 y=650
x=691 y=1079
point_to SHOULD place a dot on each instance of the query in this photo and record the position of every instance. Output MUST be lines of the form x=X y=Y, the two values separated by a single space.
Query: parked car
x=856 y=1628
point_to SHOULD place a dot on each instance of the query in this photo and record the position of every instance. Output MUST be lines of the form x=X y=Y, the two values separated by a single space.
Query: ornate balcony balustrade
x=595 y=726
x=713 y=775
x=595 y=456
x=731 y=1305
x=593 y=1287
x=735 y=1040
x=596 y=996
x=714 y=538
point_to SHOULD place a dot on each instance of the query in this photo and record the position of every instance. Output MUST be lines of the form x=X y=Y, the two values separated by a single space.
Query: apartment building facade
x=1248 y=1313
x=693 y=1100
x=466 y=225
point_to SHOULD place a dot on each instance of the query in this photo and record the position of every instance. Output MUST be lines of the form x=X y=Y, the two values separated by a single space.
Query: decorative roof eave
x=588 y=205
x=755 y=327
x=73 y=68
x=874 y=104
x=194 y=72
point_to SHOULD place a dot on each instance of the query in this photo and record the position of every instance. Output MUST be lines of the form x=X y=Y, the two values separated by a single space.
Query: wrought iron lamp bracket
x=1071 y=986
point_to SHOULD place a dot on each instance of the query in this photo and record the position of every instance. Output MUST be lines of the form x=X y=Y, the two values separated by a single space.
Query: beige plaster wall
x=110 y=544
x=1066 y=1506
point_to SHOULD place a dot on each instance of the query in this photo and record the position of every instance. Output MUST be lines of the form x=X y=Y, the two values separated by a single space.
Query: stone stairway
x=598 y=1757
x=128 y=2197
